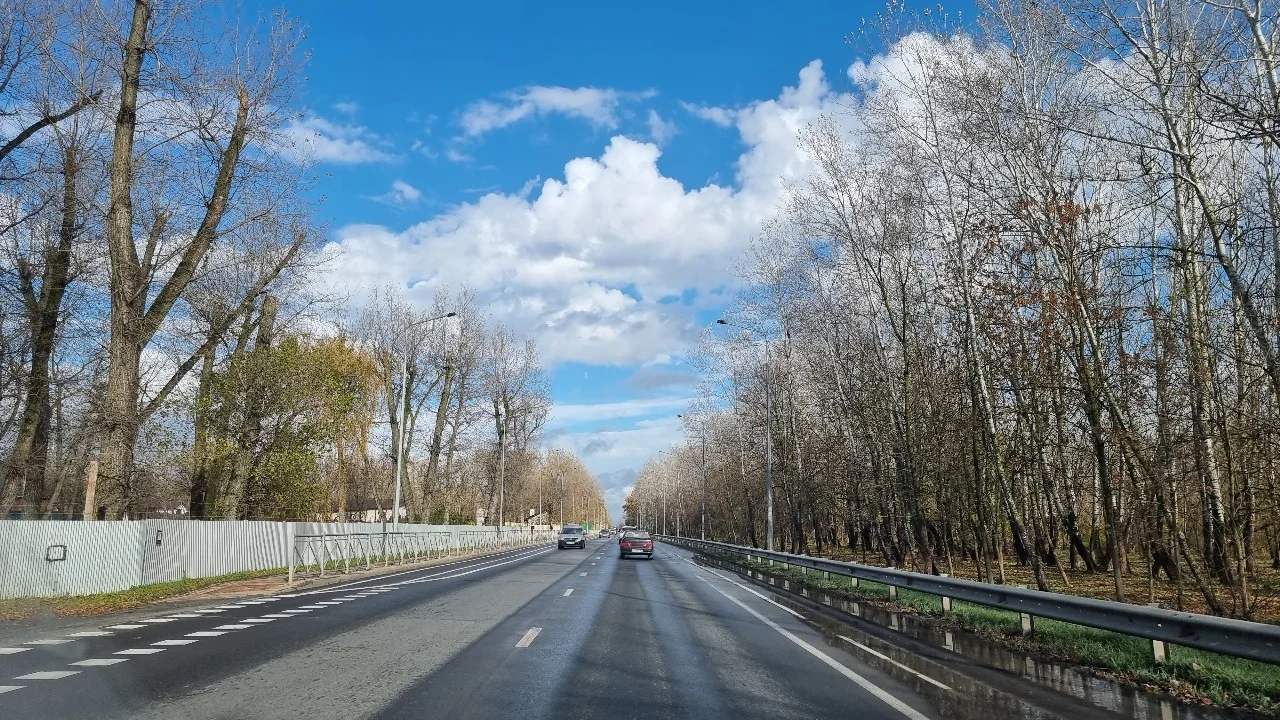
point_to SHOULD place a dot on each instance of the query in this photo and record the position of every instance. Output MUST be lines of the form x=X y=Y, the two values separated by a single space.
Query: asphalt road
x=531 y=633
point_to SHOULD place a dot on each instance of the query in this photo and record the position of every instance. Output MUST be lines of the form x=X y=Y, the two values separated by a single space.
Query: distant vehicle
x=635 y=542
x=606 y=533
x=572 y=536
x=622 y=531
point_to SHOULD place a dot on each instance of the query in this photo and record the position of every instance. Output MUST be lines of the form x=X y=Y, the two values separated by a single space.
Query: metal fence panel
x=42 y=558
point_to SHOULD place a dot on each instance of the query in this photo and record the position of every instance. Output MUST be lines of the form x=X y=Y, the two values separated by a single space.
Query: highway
x=529 y=633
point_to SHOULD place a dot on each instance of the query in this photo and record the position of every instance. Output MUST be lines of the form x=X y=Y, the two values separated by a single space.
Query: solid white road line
x=865 y=684
x=48 y=675
x=568 y=592
x=126 y=626
x=882 y=656
x=139 y=651
x=172 y=643
x=467 y=572
x=232 y=627
x=8 y=688
x=252 y=602
x=12 y=651
x=525 y=641
x=51 y=641
x=98 y=662
x=769 y=600
x=91 y=633
x=521 y=553
x=207 y=633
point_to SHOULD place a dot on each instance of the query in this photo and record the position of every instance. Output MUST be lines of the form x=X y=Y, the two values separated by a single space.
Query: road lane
x=286 y=656
x=654 y=639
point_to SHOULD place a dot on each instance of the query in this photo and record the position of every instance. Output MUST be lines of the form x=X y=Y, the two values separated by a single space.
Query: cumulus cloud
x=555 y=257
x=718 y=115
x=401 y=195
x=316 y=139
x=598 y=106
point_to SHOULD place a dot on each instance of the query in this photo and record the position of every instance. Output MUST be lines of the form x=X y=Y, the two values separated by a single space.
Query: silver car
x=572 y=536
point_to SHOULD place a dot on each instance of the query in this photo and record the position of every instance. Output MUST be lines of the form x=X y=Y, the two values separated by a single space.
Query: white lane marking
x=211 y=611
x=91 y=633
x=310 y=607
x=158 y=620
x=172 y=643
x=328 y=602
x=207 y=633
x=252 y=602
x=12 y=651
x=468 y=572
x=882 y=656
x=51 y=641
x=769 y=600
x=593 y=563
x=525 y=641
x=291 y=595
x=862 y=682
x=258 y=620
x=98 y=662
x=277 y=616
x=232 y=627
x=7 y=688
x=350 y=597
x=294 y=612
x=48 y=675
x=582 y=574
x=185 y=615
x=568 y=592
x=270 y=599
x=464 y=561
x=126 y=626
x=139 y=651
x=227 y=607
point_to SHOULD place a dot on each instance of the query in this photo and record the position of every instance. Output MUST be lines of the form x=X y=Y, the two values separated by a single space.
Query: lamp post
x=702 y=433
x=404 y=413
x=768 y=431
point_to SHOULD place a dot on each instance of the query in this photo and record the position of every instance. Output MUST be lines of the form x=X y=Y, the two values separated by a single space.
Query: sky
x=592 y=170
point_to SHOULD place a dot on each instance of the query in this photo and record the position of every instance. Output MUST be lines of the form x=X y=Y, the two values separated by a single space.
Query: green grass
x=1189 y=673
x=100 y=603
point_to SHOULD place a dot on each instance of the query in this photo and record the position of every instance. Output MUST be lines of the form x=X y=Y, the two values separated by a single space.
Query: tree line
x=1023 y=310
x=167 y=345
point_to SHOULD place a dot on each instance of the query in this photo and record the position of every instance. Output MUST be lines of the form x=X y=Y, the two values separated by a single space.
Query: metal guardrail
x=339 y=551
x=1237 y=638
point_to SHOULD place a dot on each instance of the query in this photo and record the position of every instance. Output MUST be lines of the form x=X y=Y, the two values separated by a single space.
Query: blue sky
x=592 y=170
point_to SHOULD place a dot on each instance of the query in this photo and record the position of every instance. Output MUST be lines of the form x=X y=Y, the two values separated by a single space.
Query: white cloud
x=347 y=108
x=660 y=131
x=456 y=155
x=316 y=139
x=613 y=411
x=718 y=115
x=599 y=106
x=401 y=195
x=580 y=261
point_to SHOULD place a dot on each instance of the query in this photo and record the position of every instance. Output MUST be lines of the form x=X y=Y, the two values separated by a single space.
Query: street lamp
x=768 y=431
x=703 y=437
x=679 y=497
x=404 y=413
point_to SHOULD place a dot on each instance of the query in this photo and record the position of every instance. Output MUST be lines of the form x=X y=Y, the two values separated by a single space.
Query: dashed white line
x=258 y=620
x=277 y=616
x=173 y=643
x=48 y=675
x=227 y=607
x=91 y=633
x=159 y=620
x=525 y=641
x=211 y=611
x=139 y=651
x=882 y=656
x=582 y=574
x=12 y=651
x=9 y=688
x=98 y=662
x=232 y=627
x=50 y=641
x=186 y=615
x=207 y=633
x=310 y=607
x=126 y=626
x=329 y=602
x=593 y=563
x=294 y=612
x=252 y=602
x=568 y=592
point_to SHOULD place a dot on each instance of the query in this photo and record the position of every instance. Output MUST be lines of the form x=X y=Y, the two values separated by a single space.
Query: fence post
x=1028 y=620
x=946 y=601
x=1159 y=648
x=324 y=550
x=289 y=541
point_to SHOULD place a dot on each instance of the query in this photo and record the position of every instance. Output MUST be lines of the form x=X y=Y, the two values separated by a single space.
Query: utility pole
x=704 y=483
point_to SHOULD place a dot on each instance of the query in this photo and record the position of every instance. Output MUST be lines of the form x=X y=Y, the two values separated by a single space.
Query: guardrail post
x=1159 y=648
x=946 y=601
x=1028 y=620
x=853 y=581
x=893 y=593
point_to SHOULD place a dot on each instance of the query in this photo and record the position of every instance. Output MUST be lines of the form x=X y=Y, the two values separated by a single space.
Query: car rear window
x=570 y=529
x=638 y=535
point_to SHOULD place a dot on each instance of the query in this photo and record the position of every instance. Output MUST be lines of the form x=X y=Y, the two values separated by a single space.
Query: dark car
x=635 y=543
x=572 y=536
